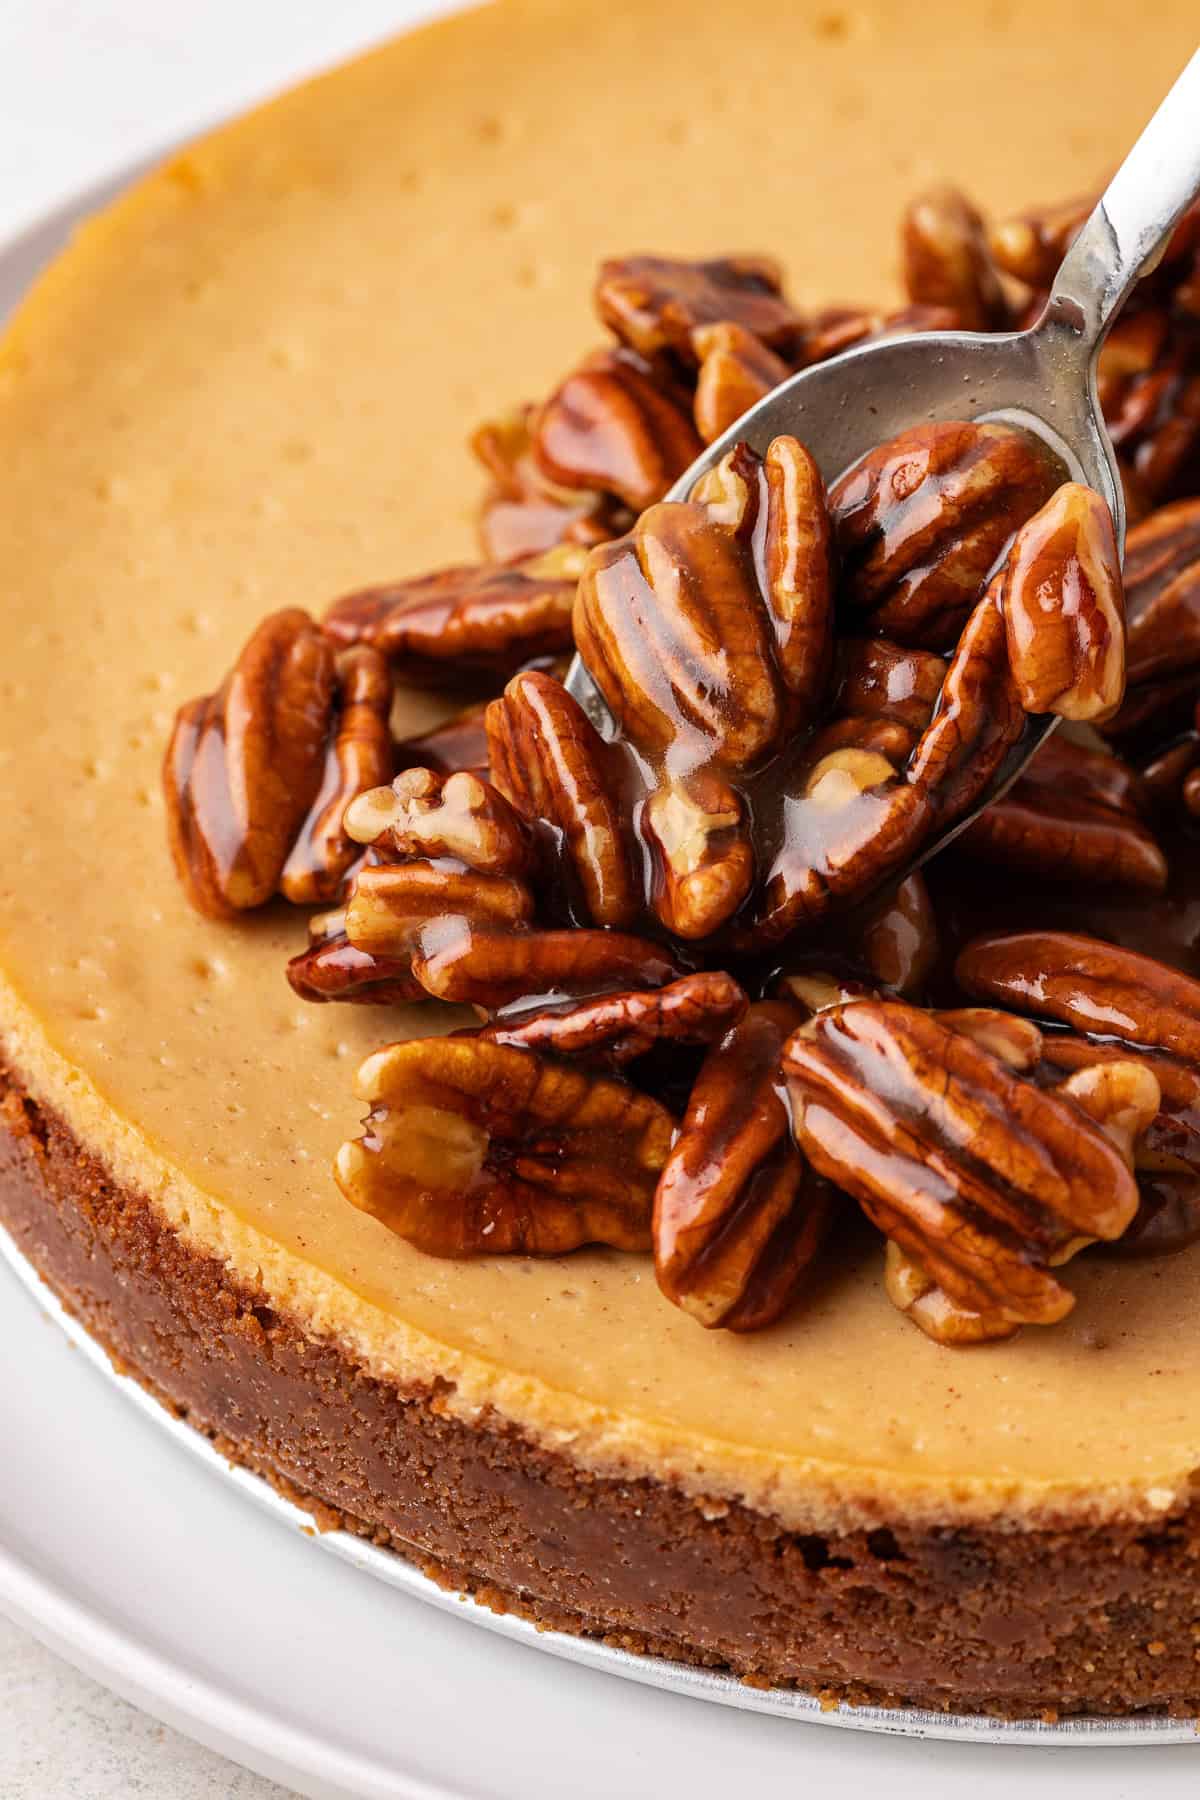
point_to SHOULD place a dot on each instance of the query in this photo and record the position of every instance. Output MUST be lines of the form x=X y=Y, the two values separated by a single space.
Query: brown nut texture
x=736 y=371
x=899 y=937
x=984 y=1179
x=390 y=904
x=1074 y=814
x=1162 y=601
x=245 y=766
x=918 y=1296
x=475 y=621
x=738 y=1218
x=947 y=261
x=618 y=425
x=920 y=521
x=523 y=513
x=478 y=967
x=475 y=1149
x=549 y=760
x=657 y=303
x=422 y=814
x=618 y=1028
x=1064 y=608
x=333 y=969
x=1096 y=988
x=703 y=858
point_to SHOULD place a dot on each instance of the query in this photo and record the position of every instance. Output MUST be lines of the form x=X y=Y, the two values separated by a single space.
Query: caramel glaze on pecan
x=618 y=1028
x=474 y=1148
x=983 y=1179
x=738 y=1217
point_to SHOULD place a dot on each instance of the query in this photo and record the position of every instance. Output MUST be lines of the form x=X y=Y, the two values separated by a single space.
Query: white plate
x=120 y=1554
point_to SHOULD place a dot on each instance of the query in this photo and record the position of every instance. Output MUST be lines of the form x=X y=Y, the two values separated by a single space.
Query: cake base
x=980 y=1619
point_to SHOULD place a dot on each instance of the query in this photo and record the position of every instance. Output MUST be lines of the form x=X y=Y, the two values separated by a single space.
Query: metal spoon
x=1043 y=379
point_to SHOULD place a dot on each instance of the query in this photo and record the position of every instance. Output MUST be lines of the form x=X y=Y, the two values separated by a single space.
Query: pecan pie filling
x=716 y=1017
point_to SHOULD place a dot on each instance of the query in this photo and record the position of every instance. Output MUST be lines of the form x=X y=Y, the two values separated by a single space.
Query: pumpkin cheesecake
x=242 y=394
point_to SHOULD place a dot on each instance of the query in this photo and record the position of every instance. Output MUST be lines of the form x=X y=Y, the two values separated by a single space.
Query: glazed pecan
x=617 y=1028
x=523 y=512
x=947 y=261
x=899 y=938
x=359 y=755
x=736 y=371
x=548 y=758
x=1064 y=608
x=475 y=1149
x=1031 y=245
x=426 y=815
x=984 y=1179
x=738 y=1218
x=920 y=521
x=839 y=328
x=245 y=766
x=1096 y=988
x=333 y=969
x=390 y=904
x=702 y=855
x=710 y=622
x=1162 y=601
x=481 y=620
x=1073 y=815
x=618 y=425
x=479 y=967
x=656 y=303
x=916 y=1294
x=858 y=817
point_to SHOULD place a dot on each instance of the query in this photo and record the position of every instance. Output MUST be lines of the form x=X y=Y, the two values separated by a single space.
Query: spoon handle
x=1133 y=219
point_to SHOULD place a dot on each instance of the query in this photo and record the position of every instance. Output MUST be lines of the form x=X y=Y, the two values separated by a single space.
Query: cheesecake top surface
x=248 y=385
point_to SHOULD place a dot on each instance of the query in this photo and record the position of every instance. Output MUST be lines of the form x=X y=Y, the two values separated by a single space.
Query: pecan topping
x=618 y=1028
x=736 y=371
x=703 y=858
x=1030 y=246
x=245 y=766
x=1162 y=600
x=1074 y=815
x=1064 y=608
x=390 y=904
x=616 y=426
x=423 y=814
x=551 y=763
x=982 y=1178
x=899 y=941
x=919 y=1297
x=475 y=1149
x=483 y=620
x=656 y=303
x=480 y=968
x=947 y=261
x=737 y=1217
x=920 y=521
x=1096 y=988
x=523 y=512
x=333 y=969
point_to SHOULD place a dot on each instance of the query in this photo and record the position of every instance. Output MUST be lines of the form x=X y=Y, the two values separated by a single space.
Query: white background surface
x=86 y=85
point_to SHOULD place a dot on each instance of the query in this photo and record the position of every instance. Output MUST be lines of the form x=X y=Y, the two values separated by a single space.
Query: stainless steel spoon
x=1043 y=379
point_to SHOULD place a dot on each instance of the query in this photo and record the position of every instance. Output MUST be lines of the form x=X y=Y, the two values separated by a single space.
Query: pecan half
x=479 y=620
x=477 y=967
x=656 y=303
x=1162 y=601
x=618 y=425
x=426 y=815
x=703 y=858
x=245 y=766
x=737 y=1217
x=899 y=937
x=1064 y=608
x=391 y=903
x=947 y=261
x=1073 y=815
x=839 y=328
x=916 y=1294
x=920 y=521
x=524 y=513
x=710 y=622
x=549 y=759
x=1096 y=988
x=333 y=969
x=617 y=1028
x=982 y=1178
x=1031 y=245
x=736 y=371
x=475 y=1149
x=359 y=756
